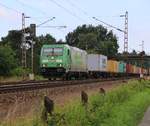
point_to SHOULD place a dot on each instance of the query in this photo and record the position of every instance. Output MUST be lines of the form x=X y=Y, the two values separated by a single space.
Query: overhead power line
x=53 y=26
x=67 y=10
x=30 y=7
x=12 y=9
x=108 y=24
x=40 y=25
x=77 y=7
x=45 y=22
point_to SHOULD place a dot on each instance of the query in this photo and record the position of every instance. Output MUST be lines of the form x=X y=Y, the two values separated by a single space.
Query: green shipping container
x=122 y=67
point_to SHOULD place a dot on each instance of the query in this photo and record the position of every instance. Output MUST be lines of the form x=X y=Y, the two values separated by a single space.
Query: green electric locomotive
x=62 y=60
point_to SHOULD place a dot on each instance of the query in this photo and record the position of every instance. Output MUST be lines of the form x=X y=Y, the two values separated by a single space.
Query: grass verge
x=123 y=106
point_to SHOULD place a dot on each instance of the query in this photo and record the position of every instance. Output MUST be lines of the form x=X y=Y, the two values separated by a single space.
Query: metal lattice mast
x=24 y=64
x=126 y=33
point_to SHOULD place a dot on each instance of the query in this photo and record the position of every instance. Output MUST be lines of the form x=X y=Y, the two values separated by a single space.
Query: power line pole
x=24 y=64
x=125 y=32
x=24 y=57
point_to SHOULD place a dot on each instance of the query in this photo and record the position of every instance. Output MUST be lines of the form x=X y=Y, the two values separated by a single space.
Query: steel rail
x=48 y=84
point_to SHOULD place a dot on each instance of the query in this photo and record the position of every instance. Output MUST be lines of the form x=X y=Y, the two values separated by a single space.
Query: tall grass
x=19 y=78
x=123 y=106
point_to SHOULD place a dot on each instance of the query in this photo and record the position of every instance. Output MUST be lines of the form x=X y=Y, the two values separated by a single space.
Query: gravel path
x=146 y=119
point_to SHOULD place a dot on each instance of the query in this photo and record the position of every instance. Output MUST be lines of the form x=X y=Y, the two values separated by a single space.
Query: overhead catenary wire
x=45 y=22
x=80 y=9
x=77 y=7
x=12 y=9
x=36 y=18
x=67 y=10
x=86 y=13
x=30 y=7
x=53 y=26
x=108 y=24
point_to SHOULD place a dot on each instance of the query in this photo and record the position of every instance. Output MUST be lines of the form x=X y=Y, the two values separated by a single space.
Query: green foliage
x=94 y=39
x=121 y=107
x=137 y=62
x=38 y=77
x=13 y=41
x=19 y=71
x=7 y=60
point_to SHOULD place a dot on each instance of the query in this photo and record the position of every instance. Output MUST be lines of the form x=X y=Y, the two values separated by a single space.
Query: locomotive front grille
x=53 y=71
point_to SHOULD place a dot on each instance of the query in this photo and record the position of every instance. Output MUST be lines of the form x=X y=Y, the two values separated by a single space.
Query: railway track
x=34 y=85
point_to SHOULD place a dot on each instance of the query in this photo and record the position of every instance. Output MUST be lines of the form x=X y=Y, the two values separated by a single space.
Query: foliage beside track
x=18 y=78
x=123 y=106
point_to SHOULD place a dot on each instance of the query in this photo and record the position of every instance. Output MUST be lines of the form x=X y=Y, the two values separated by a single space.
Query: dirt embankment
x=21 y=104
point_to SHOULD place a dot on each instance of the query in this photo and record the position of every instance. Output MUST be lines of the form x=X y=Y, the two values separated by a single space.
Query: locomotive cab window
x=58 y=51
x=53 y=51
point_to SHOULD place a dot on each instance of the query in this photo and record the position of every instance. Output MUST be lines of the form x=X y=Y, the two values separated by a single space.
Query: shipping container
x=112 y=66
x=97 y=62
x=134 y=69
x=78 y=60
x=138 y=70
x=122 y=67
x=145 y=71
x=129 y=68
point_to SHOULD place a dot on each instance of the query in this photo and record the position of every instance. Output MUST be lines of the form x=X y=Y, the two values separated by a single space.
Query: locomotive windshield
x=52 y=51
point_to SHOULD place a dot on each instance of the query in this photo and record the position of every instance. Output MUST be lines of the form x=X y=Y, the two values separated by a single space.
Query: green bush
x=7 y=60
x=123 y=106
x=19 y=71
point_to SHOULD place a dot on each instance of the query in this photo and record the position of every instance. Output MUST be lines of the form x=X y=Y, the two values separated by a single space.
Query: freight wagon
x=97 y=65
x=112 y=66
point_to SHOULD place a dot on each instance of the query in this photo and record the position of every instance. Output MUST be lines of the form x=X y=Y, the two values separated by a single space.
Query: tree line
x=93 y=39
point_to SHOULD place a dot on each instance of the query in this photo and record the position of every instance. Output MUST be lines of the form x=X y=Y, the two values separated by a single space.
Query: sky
x=72 y=13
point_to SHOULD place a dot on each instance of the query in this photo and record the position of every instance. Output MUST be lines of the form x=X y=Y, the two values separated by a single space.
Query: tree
x=7 y=60
x=88 y=42
x=13 y=40
x=133 y=52
x=93 y=39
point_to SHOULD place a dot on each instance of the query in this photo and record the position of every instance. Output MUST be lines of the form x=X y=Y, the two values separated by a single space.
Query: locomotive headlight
x=59 y=61
x=43 y=65
x=60 y=65
x=44 y=61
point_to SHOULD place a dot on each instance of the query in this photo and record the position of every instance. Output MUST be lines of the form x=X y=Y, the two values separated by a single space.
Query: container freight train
x=64 y=61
